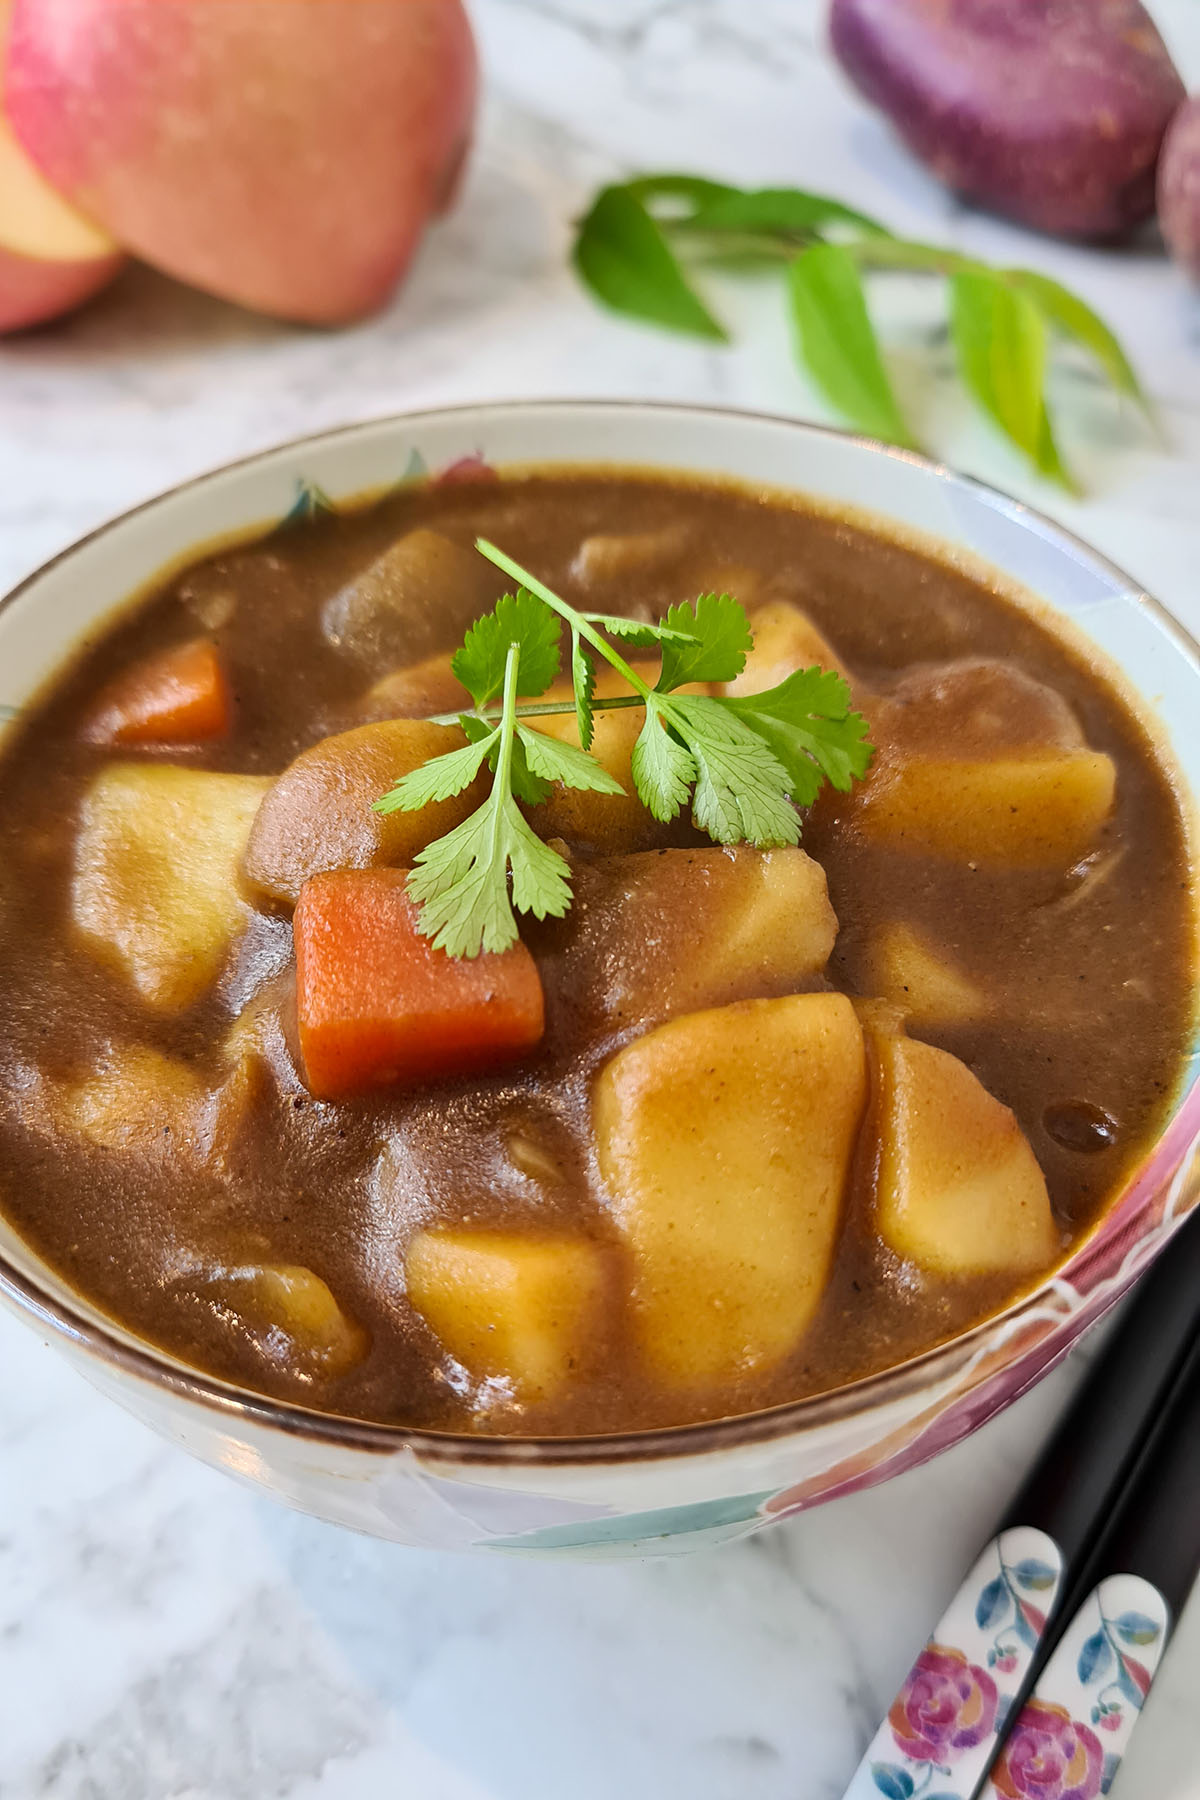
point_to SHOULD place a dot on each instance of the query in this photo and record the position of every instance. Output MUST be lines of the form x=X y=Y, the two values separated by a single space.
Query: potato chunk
x=136 y=1101
x=785 y=639
x=156 y=891
x=959 y=1189
x=1026 y=812
x=724 y=1139
x=606 y=558
x=508 y=1305
x=669 y=931
x=384 y=616
x=908 y=970
x=319 y=814
x=290 y=1314
x=609 y=823
x=417 y=691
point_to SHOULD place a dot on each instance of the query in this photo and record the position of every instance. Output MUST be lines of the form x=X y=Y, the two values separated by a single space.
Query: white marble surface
x=166 y=1636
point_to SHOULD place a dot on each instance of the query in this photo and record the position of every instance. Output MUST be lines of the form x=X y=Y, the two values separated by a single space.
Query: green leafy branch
x=743 y=762
x=636 y=244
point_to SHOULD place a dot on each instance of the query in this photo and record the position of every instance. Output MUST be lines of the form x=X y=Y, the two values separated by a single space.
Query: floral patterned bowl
x=664 y=1490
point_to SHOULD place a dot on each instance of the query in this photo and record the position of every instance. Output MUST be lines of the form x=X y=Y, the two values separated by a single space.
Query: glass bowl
x=665 y=1490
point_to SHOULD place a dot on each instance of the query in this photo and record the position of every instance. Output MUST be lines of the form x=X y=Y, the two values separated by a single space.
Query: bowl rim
x=112 y=1344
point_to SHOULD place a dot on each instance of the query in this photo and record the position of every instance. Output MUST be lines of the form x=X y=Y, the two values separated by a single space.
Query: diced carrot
x=176 y=696
x=379 y=1005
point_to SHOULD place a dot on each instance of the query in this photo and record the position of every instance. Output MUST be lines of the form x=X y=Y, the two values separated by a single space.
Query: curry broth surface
x=1098 y=993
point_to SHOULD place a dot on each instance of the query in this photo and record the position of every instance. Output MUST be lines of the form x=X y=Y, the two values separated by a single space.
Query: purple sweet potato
x=1179 y=187
x=1049 y=111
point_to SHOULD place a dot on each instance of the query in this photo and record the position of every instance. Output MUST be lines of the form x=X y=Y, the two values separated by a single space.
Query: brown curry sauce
x=1086 y=1048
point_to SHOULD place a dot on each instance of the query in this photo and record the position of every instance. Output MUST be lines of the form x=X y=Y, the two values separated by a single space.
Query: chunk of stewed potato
x=1025 y=812
x=289 y=1313
x=422 y=584
x=417 y=691
x=514 y=1306
x=724 y=1141
x=903 y=966
x=669 y=931
x=155 y=891
x=611 y=557
x=608 y=823
x=959 y=1191
x=980 y=705
x=138 y=1101
x=785 y=639
x=320 y=813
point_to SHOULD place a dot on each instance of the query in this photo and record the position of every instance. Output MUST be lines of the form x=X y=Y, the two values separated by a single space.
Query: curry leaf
x=778 y=212
x=1000 y=339
x=837 y=342
x=623 y=256
x=1075 y=319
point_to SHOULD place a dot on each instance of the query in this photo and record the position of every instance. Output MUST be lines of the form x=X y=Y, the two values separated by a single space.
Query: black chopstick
x=1093 y=1449
x=1087 y=1695
x=975 y=1670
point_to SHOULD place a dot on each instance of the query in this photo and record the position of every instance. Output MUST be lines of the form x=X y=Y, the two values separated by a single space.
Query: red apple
x=285 y=154
x=50 y=259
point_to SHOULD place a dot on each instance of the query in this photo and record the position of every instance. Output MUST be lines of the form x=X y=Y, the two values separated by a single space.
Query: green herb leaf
x=583 y=678
x=777 y=212
x=519 y=619
x=461 y=880
x=1000 y=338
x=744 y=760
x=741 y=788
x=693 y=190
x=809 y=723
x=1074 y=319
x=439 y=778
x=708 y=642
x=638 y=632
x=555 y=761
x=837 y=342
x=525 y=783
x=663 y=769
x=624 y=258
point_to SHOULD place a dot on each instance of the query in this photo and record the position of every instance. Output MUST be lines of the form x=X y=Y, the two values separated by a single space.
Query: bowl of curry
x=579 y=977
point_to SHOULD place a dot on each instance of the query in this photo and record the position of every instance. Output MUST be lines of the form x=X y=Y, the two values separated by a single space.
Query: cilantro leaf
x=719 y=634
x=747 y=761
x=810 y=726
x=460 y=882
x=663 y=769
x=638 y=632
x=521 y=619
x=742 y=790
x=525 y=783
x=553 y=760
x=439 y=778
x=583 y=679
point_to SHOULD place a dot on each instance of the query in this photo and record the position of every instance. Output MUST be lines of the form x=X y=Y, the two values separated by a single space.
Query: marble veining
x=164 y=1635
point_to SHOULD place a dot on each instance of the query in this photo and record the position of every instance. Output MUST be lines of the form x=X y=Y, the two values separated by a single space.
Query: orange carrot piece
x=176 y=696
x=378 y=1005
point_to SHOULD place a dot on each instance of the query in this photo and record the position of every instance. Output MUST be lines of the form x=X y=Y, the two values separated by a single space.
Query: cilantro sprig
x=744 y=763
x=640 y=243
